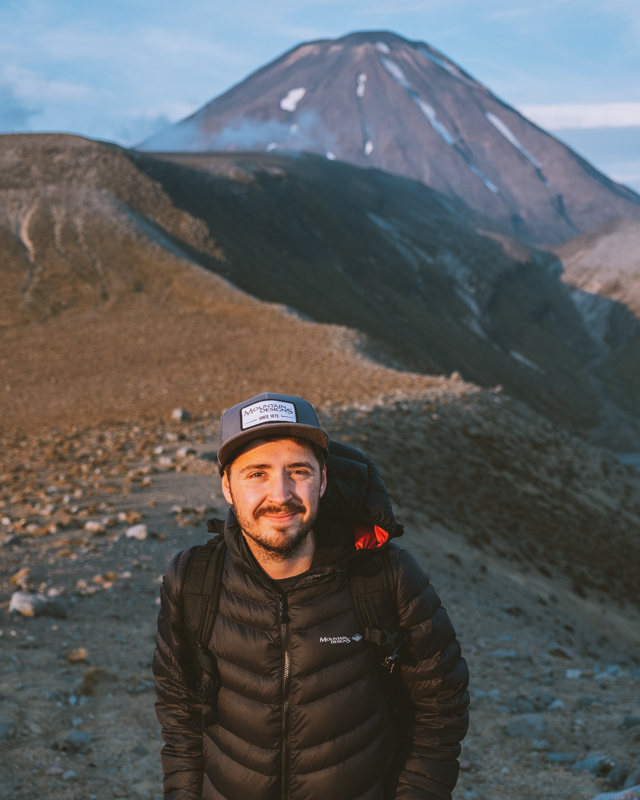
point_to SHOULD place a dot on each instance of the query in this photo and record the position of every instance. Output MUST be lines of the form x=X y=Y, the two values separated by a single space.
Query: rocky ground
x=555 y=671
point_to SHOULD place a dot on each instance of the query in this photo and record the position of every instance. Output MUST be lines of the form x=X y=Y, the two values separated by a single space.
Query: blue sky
x=122 y=70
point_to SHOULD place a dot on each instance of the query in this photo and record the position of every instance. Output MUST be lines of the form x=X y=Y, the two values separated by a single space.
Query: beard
x=278 y=542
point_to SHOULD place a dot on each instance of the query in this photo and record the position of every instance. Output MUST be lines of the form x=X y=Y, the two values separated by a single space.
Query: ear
x=323 y=481
x=226 y=489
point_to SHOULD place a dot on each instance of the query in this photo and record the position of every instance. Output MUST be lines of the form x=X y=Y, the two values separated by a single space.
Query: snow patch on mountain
x=429 y=113
x=450 y=68
x=290 y=102
x=368 y=148
x=527 y=362
x=499 y=125
x=382 y=47
x=361 y=85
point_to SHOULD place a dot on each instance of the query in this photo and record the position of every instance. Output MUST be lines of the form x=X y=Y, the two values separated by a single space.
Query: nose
x=281 y=489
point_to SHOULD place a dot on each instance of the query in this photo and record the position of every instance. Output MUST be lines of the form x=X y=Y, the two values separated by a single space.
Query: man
x=302 y=710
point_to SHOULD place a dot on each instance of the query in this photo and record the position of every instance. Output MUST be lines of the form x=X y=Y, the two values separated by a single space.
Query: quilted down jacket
x=302 y=710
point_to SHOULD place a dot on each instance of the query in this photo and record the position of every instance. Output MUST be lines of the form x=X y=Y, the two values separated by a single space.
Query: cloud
x=137 y=129
x=583 y=115
x=14 y=113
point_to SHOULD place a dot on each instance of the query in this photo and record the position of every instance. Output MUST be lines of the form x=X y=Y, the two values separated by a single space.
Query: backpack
x=372 y=586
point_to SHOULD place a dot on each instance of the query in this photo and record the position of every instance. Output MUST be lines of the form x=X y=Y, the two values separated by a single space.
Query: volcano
x=375 y=99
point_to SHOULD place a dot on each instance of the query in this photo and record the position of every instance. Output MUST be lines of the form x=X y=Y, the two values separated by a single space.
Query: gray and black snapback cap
x=268 y=414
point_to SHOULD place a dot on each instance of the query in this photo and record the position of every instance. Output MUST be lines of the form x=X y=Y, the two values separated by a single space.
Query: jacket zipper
x=286 y=673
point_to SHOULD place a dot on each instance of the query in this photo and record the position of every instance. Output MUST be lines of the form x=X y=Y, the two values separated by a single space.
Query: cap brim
x=309 y=432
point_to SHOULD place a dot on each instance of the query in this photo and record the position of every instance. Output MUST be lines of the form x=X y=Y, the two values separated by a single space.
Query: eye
x=256 y=475
x=301 y=472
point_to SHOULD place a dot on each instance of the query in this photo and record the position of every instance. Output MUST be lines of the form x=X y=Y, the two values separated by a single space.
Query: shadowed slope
x=89 y=228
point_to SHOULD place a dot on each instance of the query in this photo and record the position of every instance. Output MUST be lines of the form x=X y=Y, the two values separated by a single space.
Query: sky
x=121 y=71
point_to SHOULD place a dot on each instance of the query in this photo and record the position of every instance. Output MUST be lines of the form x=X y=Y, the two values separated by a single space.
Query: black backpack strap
x=200 y=598
x=374 y=597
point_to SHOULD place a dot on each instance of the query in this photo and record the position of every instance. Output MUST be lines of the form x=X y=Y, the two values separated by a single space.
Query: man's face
x=275 y=489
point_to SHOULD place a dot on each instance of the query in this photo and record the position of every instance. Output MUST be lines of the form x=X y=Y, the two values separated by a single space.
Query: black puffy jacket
x=301 y=711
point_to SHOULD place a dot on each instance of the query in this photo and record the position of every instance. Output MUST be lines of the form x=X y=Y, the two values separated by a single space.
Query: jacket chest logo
x=340 y=639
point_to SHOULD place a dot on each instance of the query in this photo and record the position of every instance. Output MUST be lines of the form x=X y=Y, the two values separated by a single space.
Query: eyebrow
x=250 y=467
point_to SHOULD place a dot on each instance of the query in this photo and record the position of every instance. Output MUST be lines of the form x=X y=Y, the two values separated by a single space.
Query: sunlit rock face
x=375 y=99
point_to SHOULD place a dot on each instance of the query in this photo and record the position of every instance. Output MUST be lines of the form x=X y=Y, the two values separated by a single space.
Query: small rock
x=598 y=766
x=540 y=746
x=561 y=759
x=180 y=415
x=21 y=578
x=514 y=611
x=561 y=652
x=630 y=721
x=7 y=729
x=509 y=655
x=69 y=775
x=557 y=705
x=632 y=779
x=94 y=527
x=630 y=793
x=78 y=655
x=140 y=750
x=573 y=674
x=11 y=540
x=77 y=741
x=184 y=452
x=521 y=705
x=533 y=726
x=617 y=776
x=56 y=770
x=585 y=702
x=137 y=532
x=37 y=605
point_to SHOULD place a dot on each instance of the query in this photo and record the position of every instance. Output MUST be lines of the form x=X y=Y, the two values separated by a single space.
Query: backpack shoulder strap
x=200 y=598
x=374 y=597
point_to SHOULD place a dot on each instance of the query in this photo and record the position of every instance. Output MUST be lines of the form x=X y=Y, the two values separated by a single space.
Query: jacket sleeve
x=432 y=696
x=178 y=709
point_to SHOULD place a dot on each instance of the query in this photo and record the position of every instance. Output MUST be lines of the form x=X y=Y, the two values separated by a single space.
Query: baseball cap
x=268 y=414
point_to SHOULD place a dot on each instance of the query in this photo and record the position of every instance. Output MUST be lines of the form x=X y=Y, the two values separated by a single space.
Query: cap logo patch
x=267 y=411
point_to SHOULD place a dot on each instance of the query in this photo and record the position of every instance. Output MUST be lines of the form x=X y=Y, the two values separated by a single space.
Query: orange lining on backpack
x=368 y=537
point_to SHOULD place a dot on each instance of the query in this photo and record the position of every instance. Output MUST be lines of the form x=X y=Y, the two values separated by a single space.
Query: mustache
x=287 y=508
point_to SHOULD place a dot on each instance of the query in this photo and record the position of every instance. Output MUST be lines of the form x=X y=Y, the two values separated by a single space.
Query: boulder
x=180 y=415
